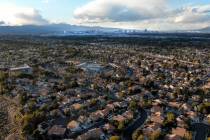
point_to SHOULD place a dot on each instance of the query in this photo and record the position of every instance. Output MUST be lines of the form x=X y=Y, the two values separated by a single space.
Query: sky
x=128 y=14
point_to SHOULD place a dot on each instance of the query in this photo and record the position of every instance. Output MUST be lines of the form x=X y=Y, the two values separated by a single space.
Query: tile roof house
x=76 y=106
x=179 y=131
x=82 y=119
x=149 y=129
x=207 y=119
x=128 y=115
x=91 y=135
x=57 y=131
x=186 y=107
x=73 y=126
x=96 y=115
x=119 y=118
x=172 y=137
x=43 y=127
x=12 y=137
x=156 y=109
x=193 y=115
x=180 y=122
x=174 y=104
x=108 y=127
x=157 y=118
x=110 y=106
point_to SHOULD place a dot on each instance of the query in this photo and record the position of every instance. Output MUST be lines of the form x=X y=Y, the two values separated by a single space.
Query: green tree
x=170 y=117
x=121 y=95
x=133 y=105
x=188 y=136
x=93 y=102
x=137 y=135
x=155 y=135
x=121 y=125
x=3 y=77
x=30 y=121
x=23 y=98
x=114 y=138
x=140 y=137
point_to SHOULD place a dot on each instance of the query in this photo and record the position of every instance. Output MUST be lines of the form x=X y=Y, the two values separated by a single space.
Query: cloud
x=14 y=15
x=120 y=11
x=194 y=14
x=141 y=14
x=2 y=23
x=32 y=18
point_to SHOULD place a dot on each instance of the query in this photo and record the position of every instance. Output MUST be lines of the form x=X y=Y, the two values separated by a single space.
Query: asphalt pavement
x=127 y=135
x=200 y=131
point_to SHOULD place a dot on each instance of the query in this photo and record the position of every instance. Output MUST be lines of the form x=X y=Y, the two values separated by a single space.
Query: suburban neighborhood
x=104 y=90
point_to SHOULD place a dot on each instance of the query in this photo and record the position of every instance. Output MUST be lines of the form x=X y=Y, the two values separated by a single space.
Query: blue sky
x=151 y=14
x=61 y=10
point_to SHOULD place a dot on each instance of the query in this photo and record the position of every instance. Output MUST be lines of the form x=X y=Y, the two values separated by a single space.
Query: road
x=127 y=135
x=200 y=131
x=172 y=58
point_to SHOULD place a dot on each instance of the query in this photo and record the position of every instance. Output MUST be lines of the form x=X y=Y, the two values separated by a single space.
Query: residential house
x=95 y=133
x=179 y=131
x=73 y=126
x=119 y=118
x=172 y=137
x=56 y=132
x=24 y=69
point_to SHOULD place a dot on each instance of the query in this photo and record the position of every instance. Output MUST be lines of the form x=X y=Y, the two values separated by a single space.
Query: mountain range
x=53 y=29
x=205 y=30
x=66 y=29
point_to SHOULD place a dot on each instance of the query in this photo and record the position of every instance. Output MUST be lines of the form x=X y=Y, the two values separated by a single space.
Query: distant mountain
x=53 y=29
x=205 y=30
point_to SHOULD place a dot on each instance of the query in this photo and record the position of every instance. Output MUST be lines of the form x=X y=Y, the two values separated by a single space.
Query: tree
x=133 y=105
x=3 y=77
x=23 y=98
x=30 y=121
x=155 y=135
x=121 y=126
x=93 y=102
x=114 y=138
x=170 y=117
x=2 y=88
x=32 y=105
x=121 y=95
x=188 y=136
x=137 y=135
x=141 y=137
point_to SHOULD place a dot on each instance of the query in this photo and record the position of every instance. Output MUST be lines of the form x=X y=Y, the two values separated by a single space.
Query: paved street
x=127 y=135
x=200 y=131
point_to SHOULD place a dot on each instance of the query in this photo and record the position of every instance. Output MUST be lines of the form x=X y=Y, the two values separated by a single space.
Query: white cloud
x=2 y=23
x=141 y=14
x=118 y=10
x=194 y=14
x=14 y=15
